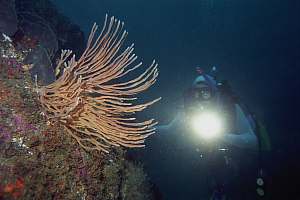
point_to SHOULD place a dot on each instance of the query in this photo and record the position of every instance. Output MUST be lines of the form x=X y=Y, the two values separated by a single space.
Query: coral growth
x=95 y=108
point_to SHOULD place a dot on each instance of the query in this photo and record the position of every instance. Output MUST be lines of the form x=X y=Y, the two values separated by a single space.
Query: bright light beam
x=207 y=125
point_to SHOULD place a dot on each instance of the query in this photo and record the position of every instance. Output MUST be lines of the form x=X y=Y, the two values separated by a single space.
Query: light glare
x=208 y=125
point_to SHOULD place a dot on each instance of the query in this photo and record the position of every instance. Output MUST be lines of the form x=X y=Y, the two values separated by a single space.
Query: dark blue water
x=254 y=44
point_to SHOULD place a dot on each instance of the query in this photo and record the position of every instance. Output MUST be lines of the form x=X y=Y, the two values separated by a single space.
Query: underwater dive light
x=207 y=125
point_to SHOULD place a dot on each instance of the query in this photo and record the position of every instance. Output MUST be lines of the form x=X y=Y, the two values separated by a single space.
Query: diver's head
x=202 y=96
x=203 y=92
x=205 y=87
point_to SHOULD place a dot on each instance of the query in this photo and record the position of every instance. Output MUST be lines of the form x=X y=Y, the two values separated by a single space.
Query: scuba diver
x=213 y=112
x=207 y=105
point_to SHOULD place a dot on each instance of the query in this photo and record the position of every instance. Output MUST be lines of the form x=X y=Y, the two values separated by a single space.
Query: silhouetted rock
x=43 y=15
x=8 y=17
x=42 y=67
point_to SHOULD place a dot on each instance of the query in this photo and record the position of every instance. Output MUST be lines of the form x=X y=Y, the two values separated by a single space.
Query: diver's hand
x=162 y=128
x=176 y=124
x=245 y=140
